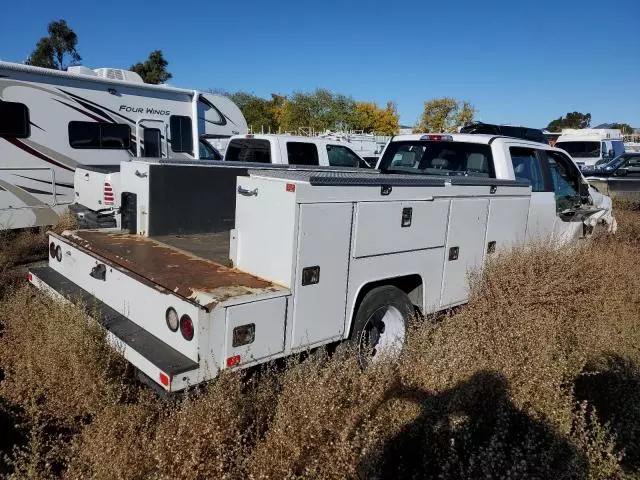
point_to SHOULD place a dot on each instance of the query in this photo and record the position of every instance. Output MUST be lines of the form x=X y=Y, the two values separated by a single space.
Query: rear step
x=165 y=358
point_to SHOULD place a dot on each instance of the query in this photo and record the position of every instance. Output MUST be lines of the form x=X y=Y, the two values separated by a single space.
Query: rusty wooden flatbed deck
x=185 y=265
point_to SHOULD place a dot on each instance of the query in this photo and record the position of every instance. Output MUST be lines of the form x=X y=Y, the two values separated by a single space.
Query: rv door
x=151 y=138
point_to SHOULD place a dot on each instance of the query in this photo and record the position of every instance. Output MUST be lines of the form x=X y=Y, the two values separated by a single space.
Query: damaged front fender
x=603 y=214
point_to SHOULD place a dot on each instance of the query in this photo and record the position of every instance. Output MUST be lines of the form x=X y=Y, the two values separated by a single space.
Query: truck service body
x=53 y=122
x=288 y=259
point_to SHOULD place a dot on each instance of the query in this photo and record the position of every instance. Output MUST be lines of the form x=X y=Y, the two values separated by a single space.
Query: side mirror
x=611 y=153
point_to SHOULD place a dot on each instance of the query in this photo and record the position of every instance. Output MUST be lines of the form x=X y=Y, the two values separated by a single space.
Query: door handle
x=86 y=177
x=247 y=193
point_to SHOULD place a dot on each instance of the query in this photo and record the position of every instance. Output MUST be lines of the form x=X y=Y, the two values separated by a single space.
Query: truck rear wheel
x=380 y=325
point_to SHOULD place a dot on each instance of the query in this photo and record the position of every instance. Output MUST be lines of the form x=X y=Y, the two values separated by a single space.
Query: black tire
x=367 y=322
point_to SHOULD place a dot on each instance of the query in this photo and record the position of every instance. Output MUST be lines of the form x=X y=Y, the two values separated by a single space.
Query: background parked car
x=625 y=165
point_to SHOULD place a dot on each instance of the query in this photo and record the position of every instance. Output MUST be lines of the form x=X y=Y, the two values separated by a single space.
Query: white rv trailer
x=52 y=121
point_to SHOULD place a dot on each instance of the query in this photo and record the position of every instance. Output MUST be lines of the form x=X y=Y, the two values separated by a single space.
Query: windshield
x=580 y=149
x=438 y=158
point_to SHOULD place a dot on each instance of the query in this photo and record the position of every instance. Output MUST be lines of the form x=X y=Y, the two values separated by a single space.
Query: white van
x=589 y=146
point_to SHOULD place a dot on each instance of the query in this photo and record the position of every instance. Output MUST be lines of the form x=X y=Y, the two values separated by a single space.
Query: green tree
x=50 y=52
x=261 y=114
x=154 y=68
x=318 y=111
x=444 y=115
x=571 y=120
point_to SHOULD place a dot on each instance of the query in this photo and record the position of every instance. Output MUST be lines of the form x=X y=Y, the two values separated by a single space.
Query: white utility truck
x=591 y=146
x=299 y=258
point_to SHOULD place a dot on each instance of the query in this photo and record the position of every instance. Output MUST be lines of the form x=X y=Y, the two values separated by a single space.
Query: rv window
x=115 y=135
x=14 y=120
x=181 y=135
x=526 y=166
x=342 y=157
x=110 y=136
x=248 y=150
x=302 y=153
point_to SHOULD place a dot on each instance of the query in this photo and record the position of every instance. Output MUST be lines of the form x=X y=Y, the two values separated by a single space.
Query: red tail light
x=437 y=138
x=108 y=194
x=186 y=327
x=233 y=361
x=164 y=379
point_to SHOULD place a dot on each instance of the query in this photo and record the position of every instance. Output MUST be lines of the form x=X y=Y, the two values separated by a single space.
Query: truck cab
x=563 y=205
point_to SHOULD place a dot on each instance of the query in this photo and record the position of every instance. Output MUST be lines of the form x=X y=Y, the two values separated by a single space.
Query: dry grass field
x=537 y=377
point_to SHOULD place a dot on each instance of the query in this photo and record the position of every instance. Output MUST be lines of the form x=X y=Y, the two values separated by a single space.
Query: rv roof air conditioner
x=81 y=70
x=118 y=74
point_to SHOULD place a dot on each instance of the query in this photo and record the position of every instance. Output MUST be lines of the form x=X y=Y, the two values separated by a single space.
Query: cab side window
x=342 y=156
x=618 y=147
x=567 y=181
x=604 y=152
x=302 y=153
x=526 y=166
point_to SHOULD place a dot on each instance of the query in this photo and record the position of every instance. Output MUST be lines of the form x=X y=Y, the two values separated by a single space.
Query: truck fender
x=411 y=284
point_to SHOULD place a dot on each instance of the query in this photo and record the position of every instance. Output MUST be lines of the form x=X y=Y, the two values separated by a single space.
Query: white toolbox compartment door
x=380 y=228
x=507 y=225
x=323 y=243
x=267 y=319
x=465 y=247
x=265 y=229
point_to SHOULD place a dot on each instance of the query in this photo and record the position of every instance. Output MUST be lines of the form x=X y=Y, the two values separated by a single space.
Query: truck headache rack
x=165 y=358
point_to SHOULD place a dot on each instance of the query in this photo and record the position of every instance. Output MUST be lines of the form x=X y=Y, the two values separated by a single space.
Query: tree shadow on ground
x=473 y=431
x=611 y=385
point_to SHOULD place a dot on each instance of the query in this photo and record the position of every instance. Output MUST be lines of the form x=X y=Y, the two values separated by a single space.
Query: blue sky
x=516 y=62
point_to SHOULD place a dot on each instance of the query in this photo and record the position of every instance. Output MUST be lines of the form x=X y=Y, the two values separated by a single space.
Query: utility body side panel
x=507 y=222
x=324 y=235
x=268 y=319
x=427 y=264
x=464 y=251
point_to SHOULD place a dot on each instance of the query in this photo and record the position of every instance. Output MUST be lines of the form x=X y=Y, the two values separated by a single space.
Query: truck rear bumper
x=171 y=369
